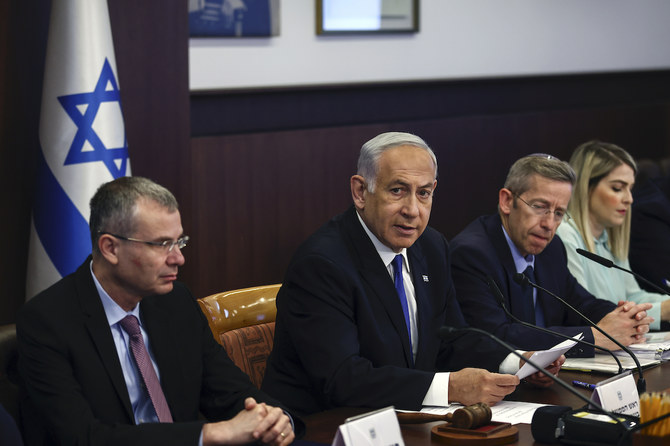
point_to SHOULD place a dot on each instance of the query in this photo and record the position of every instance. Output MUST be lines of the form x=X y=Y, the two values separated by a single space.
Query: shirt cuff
x=510 y=364
x=438 y=392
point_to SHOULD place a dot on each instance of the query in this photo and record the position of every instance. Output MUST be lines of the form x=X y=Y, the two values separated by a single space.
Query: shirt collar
x=385 y=253
x=520 y=262
x=113 y=311
x=603 y=239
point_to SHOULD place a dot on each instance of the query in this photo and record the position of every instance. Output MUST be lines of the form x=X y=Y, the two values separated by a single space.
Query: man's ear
x=505 y=201
x=358 y=190
x=108 y=247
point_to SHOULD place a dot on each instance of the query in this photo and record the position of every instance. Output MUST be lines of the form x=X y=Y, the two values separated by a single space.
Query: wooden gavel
x=468 y=417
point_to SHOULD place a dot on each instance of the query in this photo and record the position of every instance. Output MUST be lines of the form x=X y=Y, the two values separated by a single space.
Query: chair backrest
x=242 y=321
x=9 y=355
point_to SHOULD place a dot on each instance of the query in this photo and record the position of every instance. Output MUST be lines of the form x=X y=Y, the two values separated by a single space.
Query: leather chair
x=243 y=322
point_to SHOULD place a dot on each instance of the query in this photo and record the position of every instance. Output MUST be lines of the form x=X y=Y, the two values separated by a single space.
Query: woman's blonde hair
x=592 y=162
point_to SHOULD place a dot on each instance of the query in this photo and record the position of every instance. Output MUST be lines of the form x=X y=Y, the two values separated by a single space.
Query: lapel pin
x=425 y=278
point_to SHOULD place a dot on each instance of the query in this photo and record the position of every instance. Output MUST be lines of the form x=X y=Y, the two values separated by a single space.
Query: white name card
x=377 y=428
x=618 y=395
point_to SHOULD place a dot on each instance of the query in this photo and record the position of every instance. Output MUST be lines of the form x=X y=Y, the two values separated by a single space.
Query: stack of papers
x=656 y=347
x=603 y=362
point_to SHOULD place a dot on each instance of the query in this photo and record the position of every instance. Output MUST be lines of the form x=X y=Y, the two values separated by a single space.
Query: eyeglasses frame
x=181 y=242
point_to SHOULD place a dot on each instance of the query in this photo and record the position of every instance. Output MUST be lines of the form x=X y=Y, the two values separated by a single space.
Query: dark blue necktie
x=400 y=289
x=537 y=308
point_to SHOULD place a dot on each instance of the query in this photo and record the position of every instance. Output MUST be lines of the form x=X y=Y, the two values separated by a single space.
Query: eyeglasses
x=542 y=209
x=167 y=245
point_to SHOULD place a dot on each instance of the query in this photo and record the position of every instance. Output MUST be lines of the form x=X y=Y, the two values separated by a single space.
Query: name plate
x=377 y=428
x=618 y=395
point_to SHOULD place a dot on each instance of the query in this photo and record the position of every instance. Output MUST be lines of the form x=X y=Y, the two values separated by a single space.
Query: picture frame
x=233 y=18
x=366 y=16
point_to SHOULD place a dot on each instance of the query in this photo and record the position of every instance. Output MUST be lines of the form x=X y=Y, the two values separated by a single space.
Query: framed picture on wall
x=367 y=16
x=233 y=18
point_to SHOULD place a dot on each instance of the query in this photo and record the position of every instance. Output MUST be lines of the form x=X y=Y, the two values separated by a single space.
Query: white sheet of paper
x=504 y=411
x=514 y=412
x=545 y=357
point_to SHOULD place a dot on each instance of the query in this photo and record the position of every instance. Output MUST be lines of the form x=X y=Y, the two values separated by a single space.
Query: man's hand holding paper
x=550 y=360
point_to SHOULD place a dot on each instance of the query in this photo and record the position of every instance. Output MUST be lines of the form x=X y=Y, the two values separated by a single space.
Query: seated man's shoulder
x=473 y=239
x=57 y=297
x=555 y=249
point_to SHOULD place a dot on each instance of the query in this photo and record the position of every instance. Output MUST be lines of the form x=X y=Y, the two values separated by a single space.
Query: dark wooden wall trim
x=260 y=190
x=247 y=111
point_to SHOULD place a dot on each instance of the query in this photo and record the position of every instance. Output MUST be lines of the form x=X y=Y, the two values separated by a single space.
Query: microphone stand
x=521 y=279
x=446 y=332
x=610 y=264
x=501 y=300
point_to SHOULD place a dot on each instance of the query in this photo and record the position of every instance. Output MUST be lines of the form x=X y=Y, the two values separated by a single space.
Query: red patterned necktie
x=131 y=325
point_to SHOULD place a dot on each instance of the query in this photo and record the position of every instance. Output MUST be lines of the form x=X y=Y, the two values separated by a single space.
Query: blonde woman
x=600 y=223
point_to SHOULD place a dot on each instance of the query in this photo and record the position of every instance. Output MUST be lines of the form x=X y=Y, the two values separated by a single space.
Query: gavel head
x=471 y=417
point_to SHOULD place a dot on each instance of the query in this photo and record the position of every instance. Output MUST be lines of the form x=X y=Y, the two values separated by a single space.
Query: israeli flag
x=82 y=138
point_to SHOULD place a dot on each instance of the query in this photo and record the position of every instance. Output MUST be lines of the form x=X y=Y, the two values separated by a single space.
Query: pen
x=583 y=385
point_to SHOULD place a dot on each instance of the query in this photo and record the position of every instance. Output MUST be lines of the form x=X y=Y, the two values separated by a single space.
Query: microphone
x=610 y=264
x=521 y=279
x=538 y=432
x=501 y=301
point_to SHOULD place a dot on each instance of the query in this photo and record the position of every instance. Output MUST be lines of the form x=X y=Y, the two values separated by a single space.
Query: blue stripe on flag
x=61 y=228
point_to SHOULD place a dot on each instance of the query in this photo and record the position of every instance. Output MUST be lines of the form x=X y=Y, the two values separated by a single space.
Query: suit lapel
x=101 y=336
x=516 y=296
x=424 y=310
x=373 y=271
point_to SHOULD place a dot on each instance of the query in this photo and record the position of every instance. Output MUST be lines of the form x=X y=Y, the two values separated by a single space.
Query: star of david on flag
x=83 y=108
x=82 y=138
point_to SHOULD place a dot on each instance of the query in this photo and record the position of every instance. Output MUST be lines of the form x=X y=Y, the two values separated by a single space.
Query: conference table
x=321 y=427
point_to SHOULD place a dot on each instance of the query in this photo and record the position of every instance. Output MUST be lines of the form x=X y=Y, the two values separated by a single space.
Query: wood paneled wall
x=273 y=165
x=257 y=171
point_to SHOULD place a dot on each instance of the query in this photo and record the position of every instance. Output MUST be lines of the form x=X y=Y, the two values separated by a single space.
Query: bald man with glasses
x=520 y=239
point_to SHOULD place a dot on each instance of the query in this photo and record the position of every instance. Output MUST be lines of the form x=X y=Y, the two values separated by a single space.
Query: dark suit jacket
x=340 y=336
x=73 y=381
x=9 y=432
x=481 y=250
x=650 y=233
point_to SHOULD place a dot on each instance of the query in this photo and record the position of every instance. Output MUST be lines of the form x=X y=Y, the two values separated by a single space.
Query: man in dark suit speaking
x=360 y=308
x=119 y=353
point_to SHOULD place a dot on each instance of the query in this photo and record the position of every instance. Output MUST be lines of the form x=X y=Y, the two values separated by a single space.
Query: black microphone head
x=521 y=279
x=596 y=258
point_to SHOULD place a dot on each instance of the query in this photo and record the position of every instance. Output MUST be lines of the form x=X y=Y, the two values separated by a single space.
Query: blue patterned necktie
x=537 y=308
x=400 y=289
